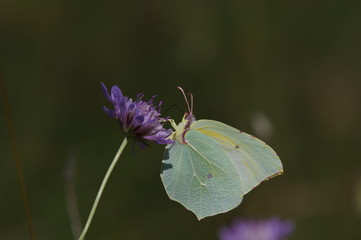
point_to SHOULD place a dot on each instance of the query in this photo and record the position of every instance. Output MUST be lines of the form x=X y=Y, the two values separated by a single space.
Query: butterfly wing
x=254 y=160
x=200 y=176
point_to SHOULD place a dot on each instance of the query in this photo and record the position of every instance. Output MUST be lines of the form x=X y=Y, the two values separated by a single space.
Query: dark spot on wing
x=236 y=147
x=209 y=175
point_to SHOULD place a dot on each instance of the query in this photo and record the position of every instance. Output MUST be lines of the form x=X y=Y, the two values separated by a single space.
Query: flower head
x=270 y=229
x=139 y=119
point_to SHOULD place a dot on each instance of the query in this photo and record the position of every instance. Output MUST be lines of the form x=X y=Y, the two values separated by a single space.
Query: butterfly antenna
x=185 y=98
x=191 y=96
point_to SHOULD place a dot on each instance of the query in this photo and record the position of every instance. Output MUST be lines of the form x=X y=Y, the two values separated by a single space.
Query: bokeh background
x=287 y=72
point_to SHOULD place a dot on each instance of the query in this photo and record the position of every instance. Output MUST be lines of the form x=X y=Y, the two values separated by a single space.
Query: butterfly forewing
x=254 y=160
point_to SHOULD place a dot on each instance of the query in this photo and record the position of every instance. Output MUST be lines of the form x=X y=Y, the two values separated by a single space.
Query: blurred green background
x=288 y=72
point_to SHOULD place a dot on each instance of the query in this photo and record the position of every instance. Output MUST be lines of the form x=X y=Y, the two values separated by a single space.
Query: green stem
x=101 y=189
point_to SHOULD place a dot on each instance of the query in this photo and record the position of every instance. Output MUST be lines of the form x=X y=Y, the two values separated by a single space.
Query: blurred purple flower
x=139 y=119
x=270 y=229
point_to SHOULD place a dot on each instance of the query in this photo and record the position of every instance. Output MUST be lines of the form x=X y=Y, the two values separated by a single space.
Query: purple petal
x=269 y=229
x=109 y=112
x=105 y=91
x=116 y=94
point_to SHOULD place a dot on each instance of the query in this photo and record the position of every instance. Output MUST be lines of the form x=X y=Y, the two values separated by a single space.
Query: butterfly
x=211 y=165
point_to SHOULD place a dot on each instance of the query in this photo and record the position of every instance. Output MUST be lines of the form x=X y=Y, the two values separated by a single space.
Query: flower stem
x=102 y=186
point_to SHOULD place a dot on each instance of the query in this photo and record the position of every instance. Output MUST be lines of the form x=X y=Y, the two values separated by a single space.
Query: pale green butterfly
x=211 y=165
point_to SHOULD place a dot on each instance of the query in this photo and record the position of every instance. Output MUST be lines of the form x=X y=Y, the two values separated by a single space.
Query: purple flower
x=270 y=229
x=139 y=119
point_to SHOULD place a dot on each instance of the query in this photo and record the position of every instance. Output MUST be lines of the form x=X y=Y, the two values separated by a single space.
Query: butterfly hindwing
x=201 y=175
